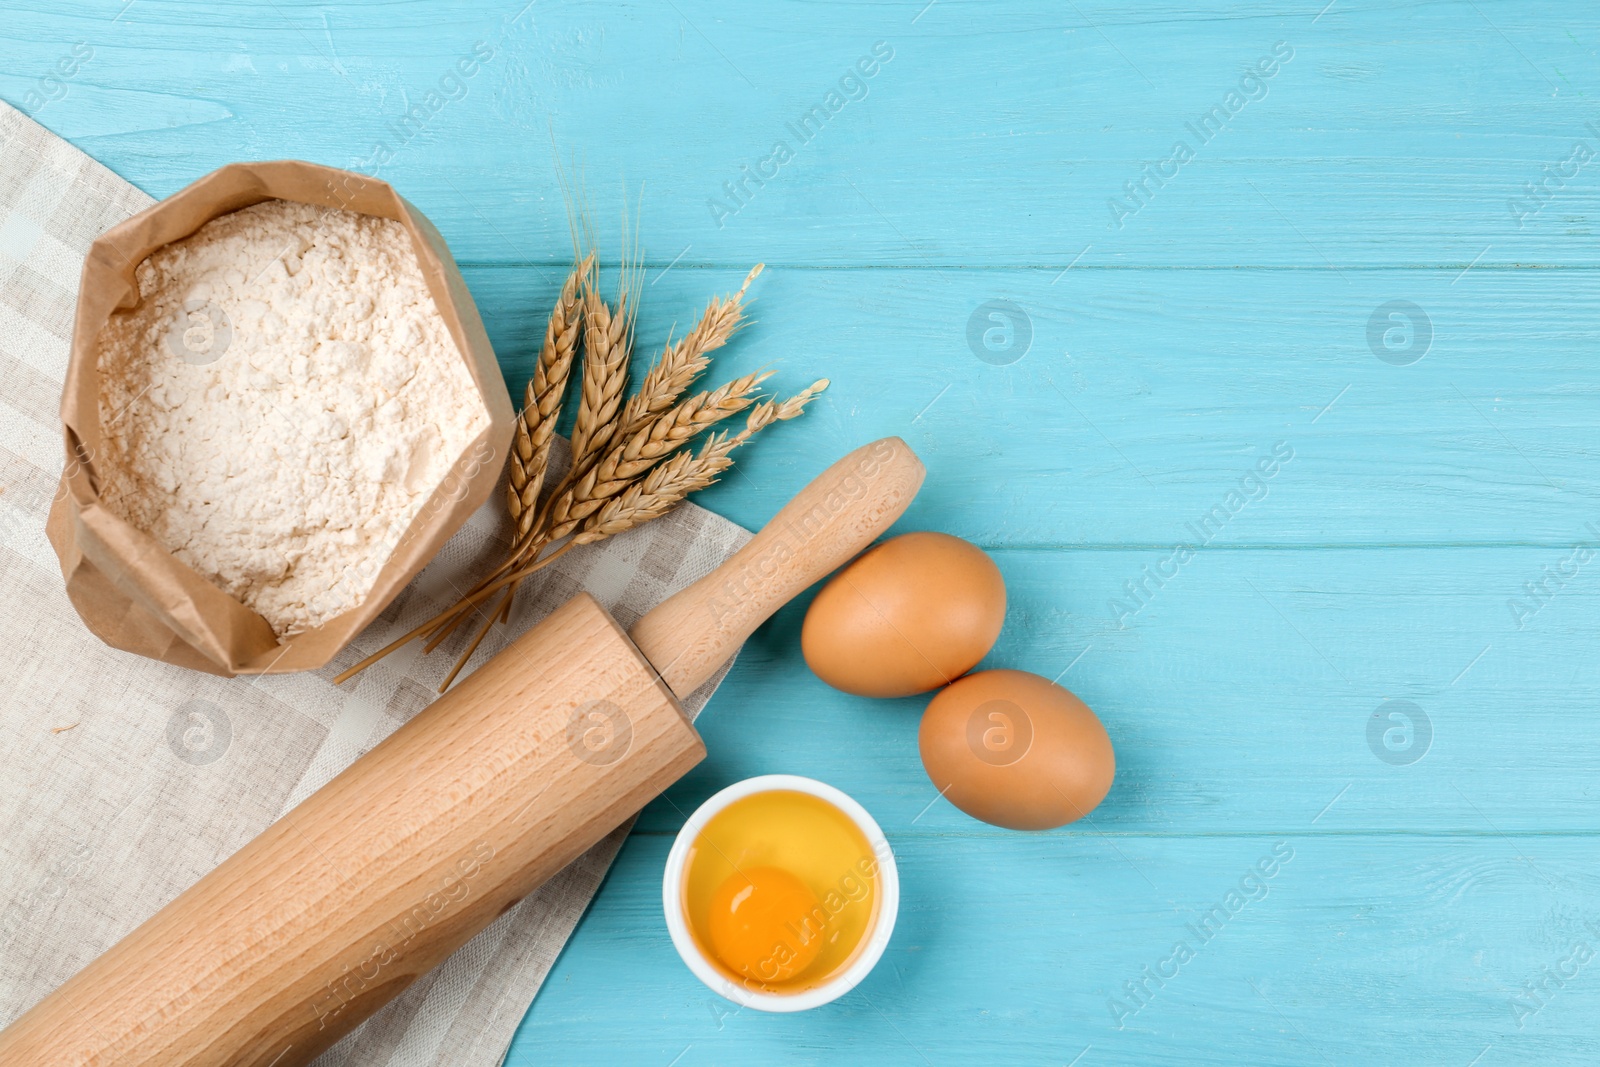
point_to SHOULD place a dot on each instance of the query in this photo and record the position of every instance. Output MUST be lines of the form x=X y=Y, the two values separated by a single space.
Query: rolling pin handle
x=693 y=632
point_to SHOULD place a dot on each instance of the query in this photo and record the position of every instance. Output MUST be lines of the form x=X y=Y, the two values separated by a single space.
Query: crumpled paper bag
x=129 y=590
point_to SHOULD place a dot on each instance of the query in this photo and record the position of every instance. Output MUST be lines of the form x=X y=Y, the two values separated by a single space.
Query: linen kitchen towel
x=123 y=780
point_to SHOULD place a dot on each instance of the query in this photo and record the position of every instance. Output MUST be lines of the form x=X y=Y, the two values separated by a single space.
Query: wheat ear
x=665 y=487
x=606 y=341
x=607 y=344
x=658 y=492
x=536 y=423
x=632 y=457
x=541 y=406
x=681 y=363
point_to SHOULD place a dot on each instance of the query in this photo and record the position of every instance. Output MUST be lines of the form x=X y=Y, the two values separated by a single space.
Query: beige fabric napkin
x=123 y=780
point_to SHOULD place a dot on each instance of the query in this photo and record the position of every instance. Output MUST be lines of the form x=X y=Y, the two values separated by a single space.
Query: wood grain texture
x=1147 y=395
x=839 y=513
x=995 y=135
x=1225 y=715
x=1168 y=354
x=378 y=876
x=1359 y=950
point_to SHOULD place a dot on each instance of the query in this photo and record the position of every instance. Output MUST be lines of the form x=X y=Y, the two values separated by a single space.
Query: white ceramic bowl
x=877 y=939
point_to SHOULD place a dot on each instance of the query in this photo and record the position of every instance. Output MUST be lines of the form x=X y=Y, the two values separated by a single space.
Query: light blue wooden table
x=1375 y=254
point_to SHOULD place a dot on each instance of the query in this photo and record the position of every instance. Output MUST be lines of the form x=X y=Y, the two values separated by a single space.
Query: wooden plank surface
x=1145 y=396
x=995 y=135
x=1358 y=950
x=1173 y=342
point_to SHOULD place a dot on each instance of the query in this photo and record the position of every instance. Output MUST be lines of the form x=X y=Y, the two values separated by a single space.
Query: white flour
x=281 y=404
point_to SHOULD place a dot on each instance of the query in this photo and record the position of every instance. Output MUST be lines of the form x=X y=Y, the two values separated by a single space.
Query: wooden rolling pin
x=394 y=864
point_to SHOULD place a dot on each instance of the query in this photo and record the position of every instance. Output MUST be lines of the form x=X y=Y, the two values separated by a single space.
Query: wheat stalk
x=607 y=338
x=771 y=411
x=541 y=406
x=631 y=457
x=598 y=509
x=681 y=363
x=668 y=483
x=639 y=500
x=607 y=344
x=652 y=496
x=573 y=502
x=637 y=454
x=536 y=423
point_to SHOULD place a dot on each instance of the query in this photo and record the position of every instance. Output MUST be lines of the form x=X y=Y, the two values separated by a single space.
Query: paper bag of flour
x=133 y=593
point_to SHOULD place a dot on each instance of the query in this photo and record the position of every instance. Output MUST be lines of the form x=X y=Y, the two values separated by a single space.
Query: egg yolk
x=765 y=924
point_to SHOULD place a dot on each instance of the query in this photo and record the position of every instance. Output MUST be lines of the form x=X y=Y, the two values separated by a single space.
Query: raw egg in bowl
x=780 y=893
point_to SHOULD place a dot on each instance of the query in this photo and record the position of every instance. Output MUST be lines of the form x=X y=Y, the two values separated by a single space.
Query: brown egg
x=915 y=613
x=1016 y=750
